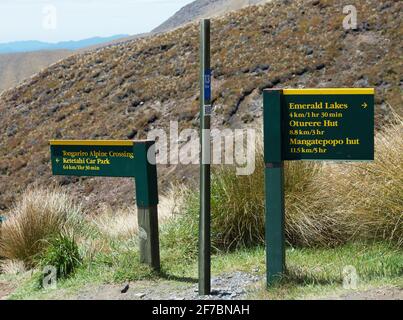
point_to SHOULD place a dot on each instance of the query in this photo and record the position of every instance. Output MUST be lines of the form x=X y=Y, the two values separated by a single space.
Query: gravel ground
x=225 y=287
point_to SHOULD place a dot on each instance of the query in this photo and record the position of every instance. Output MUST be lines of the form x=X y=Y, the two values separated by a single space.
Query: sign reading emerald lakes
x=328 y=124
x=135 y=159
x=309 y=124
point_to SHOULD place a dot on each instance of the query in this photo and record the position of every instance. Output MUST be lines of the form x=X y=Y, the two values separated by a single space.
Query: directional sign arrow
x=57 y=160
x=364 y=105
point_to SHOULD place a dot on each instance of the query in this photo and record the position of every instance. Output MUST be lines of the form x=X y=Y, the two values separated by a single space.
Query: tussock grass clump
x=371 y=194
x=238 y=219
x=310 y=216
x=38 y=216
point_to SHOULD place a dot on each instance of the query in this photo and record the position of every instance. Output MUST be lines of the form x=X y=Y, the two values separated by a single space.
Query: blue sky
x=61 y=20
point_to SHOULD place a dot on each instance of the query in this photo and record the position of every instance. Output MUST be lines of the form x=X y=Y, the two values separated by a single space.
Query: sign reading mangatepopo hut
x=309 y=124
x=134 y=159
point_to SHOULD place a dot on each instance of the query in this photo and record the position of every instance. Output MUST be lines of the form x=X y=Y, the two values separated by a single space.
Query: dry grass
x=371 y=194
x=116 y=224
x=12 y=267
x=122 y=223
x=40 y=214
x=311 y=217
x=237 y=207
x=331 y=203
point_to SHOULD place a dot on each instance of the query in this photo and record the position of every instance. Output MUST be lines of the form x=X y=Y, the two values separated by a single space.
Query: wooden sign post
x=135 y=159
x=309 y=124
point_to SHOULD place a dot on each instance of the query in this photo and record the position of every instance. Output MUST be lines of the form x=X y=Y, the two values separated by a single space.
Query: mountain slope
x=21 y=60
x=15 y=67
x=124 y=91
x=203 y=9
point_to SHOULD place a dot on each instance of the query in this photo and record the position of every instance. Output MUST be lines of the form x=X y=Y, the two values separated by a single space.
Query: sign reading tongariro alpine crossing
x=110 y=158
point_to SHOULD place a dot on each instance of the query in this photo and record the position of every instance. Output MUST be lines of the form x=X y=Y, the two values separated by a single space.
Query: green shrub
x=61 y=252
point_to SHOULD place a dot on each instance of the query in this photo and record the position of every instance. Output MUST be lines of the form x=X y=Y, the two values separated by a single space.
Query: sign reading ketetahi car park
x=134 y=159
x=309 y=124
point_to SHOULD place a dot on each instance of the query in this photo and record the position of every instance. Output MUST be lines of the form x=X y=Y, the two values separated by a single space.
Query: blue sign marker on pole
x=207 y=85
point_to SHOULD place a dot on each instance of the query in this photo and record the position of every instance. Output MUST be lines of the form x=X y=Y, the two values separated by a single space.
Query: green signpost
x=309 y=124
x=134 y=159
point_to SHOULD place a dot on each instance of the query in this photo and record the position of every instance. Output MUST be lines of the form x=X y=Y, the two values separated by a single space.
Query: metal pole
x=205 y=183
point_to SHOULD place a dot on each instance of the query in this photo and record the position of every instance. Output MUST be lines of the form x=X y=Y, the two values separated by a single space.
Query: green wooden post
x=147 y=210
x=205 y=183
x=148 y=236
x=274 y=184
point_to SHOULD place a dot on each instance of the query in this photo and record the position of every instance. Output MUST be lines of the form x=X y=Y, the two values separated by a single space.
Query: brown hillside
x=15 y=67
x=125 y=90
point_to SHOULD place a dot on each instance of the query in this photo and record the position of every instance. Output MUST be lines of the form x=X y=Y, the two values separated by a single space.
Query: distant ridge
x=29 y=46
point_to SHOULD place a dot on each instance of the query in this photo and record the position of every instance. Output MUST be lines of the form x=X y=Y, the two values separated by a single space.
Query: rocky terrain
x=125 y=90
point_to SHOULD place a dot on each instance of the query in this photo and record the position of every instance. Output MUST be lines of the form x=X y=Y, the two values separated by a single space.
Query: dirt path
x=232 y=286
x=386 y=293
x=225 y=287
